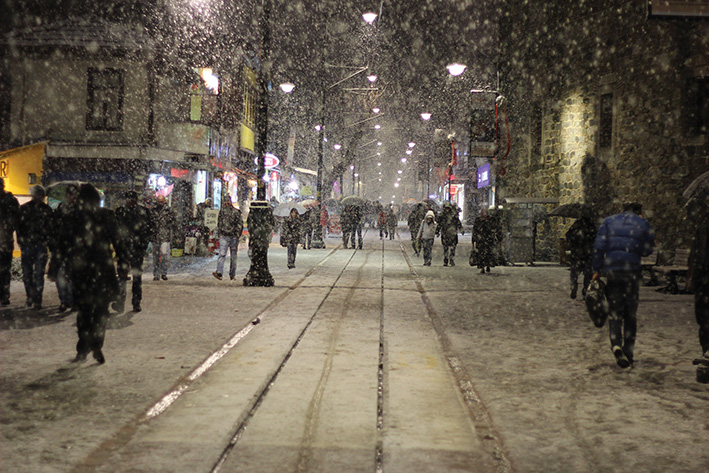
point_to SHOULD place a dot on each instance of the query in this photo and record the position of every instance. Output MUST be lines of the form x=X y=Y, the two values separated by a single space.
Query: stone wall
x=556 y=65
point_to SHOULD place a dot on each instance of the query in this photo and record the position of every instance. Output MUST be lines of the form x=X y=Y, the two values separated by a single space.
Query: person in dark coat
x=484 y=240
x=9 y=212
x=308 y=228
x=698 y=277
x=230 y=225
x=134 y=231
x=356 y=226
x=414 y=222
x=164 y=222
x=448 y=226
x=346 y=222
x=382 y=224
x=93 y=237
x=57 y=270
x=621 y=242
x=392 y=223
x=290 y=236
x=580 y=238
x=33 y=238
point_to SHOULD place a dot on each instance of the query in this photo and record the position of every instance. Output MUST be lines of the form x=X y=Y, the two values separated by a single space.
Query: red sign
x=454 y=189
x=270 y=161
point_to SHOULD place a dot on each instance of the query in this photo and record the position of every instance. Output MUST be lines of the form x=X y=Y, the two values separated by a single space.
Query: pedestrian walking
x=426 y=234
x=164 y=222
x=307 y=228
x=580 y=238
x=93 y=237
x=382 y=224
x=698 y=278
x=57 y=270
x=414 y=222
x=356 y=226
x=346 y=220
x=392 y=223
x=484 y=240
x=33 y=238
x=134 y=230
x=621 y=242
x=290 y=235
x=324 y=221
x=9 y=213
x=230 y=225
x=449 y=225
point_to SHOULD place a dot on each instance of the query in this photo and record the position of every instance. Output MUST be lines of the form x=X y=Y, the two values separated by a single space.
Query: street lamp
x=425 y=116
x=369 y=17
x=287 y=87
x=260 y=219
x=456 y=69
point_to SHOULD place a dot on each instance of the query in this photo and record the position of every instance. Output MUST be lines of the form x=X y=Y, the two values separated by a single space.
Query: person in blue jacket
x=621 y=242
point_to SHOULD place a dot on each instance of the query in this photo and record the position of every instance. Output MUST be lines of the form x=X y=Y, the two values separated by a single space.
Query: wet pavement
x=355 y=361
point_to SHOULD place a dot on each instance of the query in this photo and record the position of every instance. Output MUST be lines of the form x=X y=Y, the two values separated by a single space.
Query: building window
x=699 y=108
x=105 y=99
x=535 y=134
x=605 y=126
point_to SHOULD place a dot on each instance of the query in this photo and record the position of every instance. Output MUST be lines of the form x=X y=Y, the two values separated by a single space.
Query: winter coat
x=621 y=242
x=392 y=220
x=164 y=221
x=484 y=238
x=9 y=213
x=290 y=233
x=134 y=229
x=382 y=219
x=415 y=218
x=230 y=222
x=580 y=238
x=92 y=236
x=427 y=230
x=34 y=224
x=449 y=225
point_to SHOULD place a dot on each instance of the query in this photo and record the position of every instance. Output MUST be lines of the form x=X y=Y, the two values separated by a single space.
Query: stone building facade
x=608 y=104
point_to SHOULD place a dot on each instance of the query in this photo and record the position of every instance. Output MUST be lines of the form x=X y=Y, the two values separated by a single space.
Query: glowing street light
x=409 y=151
x=376 y=127
x=318 y=127
x=379 y=143
x=372 y=78
x=411 y=144
x=369 y=17
x=426 y=116
x=337 y=146
x=287 y=87
x=376 y=110
x=403 y=160
x=456 y=69
x=399 y=171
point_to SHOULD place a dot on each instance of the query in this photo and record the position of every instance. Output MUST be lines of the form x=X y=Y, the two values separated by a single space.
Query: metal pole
x=317 y=237
x=260 y=219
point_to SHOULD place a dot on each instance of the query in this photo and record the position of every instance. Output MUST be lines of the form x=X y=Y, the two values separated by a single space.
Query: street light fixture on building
x=456 y=69
x=287 y=87
x=369 y=17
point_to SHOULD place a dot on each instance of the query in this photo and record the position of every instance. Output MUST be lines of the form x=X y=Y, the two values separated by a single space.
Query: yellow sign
x=5 y=169
x=26 y=164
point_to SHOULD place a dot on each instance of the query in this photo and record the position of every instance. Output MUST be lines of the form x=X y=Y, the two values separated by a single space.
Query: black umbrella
x=574 y=210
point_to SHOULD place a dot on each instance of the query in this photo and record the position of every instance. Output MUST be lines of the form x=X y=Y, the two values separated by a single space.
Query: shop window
x=605 y=126
x=105 y=99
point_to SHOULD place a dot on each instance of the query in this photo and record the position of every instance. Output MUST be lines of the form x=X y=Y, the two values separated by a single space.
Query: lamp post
x=317 y=236
x=260 y=219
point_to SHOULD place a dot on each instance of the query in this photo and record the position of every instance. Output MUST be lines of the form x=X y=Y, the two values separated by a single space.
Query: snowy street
x=356 y=361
